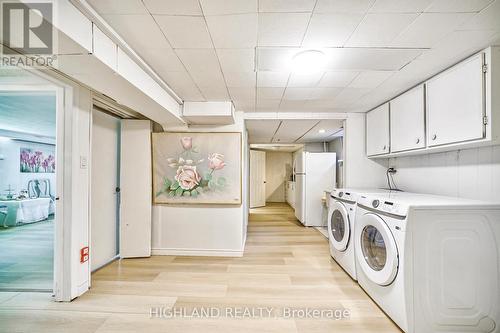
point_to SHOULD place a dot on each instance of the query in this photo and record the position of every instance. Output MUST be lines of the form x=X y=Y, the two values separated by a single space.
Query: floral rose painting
x=198 y=168
x=35 y=161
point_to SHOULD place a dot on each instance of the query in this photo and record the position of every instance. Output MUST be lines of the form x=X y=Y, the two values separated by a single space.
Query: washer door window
x=376 y=250
x=339 y=226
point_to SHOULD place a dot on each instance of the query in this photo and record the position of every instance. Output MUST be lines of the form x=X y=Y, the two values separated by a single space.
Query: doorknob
x=117 y=190
x=418 y=141
x=434 y=137
x=264 y=181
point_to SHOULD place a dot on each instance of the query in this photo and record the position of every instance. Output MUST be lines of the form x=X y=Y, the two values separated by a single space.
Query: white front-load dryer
x=432 y=263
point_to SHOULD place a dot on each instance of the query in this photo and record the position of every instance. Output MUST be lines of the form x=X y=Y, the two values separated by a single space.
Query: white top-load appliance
x=341 y=224
x=314 y=172
x=431 y=263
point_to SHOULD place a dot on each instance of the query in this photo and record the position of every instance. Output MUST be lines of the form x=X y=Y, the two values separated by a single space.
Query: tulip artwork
x=197 y=168
x=35 y=161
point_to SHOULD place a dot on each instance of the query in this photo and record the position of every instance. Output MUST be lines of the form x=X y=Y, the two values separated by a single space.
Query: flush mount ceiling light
x=309 y=61
x=321 y=131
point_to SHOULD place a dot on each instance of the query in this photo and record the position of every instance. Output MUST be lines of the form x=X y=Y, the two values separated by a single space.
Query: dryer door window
x=338 y=226
x=373 y=247
x=376 y=249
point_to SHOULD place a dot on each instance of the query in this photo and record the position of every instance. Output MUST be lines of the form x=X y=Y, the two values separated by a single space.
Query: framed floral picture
x=196 y=168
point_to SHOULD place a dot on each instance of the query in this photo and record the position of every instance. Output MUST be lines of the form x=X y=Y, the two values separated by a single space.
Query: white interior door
x=257 y=178
x=135 y=208
x=104 y=189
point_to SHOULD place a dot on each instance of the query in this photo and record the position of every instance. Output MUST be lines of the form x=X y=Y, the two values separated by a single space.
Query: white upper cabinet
x=377 y=131
x=408 y=120
x=455 y=104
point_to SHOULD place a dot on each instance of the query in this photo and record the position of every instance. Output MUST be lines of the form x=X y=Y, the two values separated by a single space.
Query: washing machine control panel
x=384 y=205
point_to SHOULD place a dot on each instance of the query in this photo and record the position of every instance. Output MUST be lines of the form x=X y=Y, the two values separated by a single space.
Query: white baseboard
x=196 y=252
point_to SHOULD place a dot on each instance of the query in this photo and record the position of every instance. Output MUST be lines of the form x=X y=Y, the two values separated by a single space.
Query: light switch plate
x=83 y=162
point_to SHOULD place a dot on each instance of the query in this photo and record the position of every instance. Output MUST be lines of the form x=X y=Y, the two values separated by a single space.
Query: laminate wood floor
x=285 y=268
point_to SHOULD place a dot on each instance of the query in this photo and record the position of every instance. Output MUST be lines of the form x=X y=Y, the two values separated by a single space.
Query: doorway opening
x=296 y=162
x=29 y=182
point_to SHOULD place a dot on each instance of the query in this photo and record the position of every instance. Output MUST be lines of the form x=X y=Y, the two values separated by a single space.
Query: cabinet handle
x=385 y=147
x=434 y=137
x=418 y=141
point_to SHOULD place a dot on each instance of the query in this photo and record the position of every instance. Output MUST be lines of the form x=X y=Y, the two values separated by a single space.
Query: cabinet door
x=455 y=104
x=408 y=121
x=377 y=131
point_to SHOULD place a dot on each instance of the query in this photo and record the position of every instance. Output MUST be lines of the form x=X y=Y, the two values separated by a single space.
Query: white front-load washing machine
x=431 y=263
x=341 y=220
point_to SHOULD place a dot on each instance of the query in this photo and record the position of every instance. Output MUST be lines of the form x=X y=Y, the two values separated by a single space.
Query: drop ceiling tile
x=298 y=94
x=272 y=79
x=162 y=60
x=244 y=105
x=301 y=80
x=148 y=36
x=237 y=60
x=337 y=79
x=292 y=130
x=325 y=93
x=223 y=7
x=487 y=19
x=275 y=59
x=321 y=103
x=286 y=6
x=270 y=93
x=208 y=77
x=429 y=28
x=282 y=29
x=118 y=7
x=331 y=29
x=268 y=103
x=263 y=130
x=458 y=6
x=380 y=29
x=350 y=95
x=183 y=85
x=370 y=79
x=198 y=60
x=291 y=105
x=400 y=6
x=173 y=7
x=240 y=79
x=215 y=92
x=358 y=59
x=343 y=6
x=175 y=28
x=329 y=128
x=242 y=94
x=233 y=31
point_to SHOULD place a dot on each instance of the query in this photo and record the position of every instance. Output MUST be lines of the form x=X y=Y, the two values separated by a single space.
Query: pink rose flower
x=187 y=177
x=187 y=142
x=216 y=161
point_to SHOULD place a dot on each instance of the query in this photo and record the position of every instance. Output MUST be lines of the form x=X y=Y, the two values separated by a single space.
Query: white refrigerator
x=314 y=173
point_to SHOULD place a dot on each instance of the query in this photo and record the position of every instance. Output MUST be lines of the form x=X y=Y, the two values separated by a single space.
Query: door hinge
x=485 y=120
x=485 y=68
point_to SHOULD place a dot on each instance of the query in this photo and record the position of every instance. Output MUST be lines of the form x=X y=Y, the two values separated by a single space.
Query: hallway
x=284 y=267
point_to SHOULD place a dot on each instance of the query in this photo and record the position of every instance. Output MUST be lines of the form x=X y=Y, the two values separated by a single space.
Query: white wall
x=278 y=171
x=203 y=229
x=337 y=146
x=10 y=173
x=471 y=173
x=359 y=171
